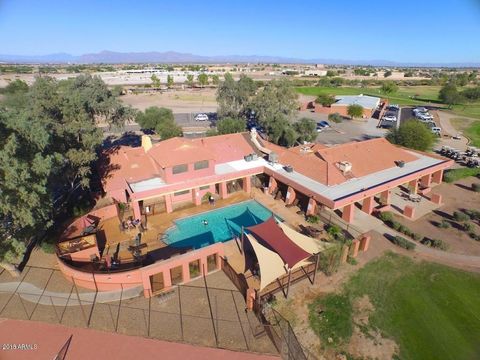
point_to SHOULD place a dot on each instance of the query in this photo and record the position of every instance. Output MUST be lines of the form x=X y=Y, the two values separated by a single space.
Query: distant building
x=369 y=104
x=315 y=72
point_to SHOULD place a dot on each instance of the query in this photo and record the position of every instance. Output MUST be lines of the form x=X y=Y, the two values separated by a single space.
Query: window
x=194 y=268
x=178 y=169
x=199 y=165
x=176 y=274
x=211 y=262
x=183 y=192
x=206 y=187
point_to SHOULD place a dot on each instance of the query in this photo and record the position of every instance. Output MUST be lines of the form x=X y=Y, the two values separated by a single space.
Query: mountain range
x=112 y=57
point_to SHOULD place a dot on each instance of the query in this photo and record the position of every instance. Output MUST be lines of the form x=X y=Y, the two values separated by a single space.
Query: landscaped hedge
x=387 y=218
x=457 y=174
x=434 y=243
x=402 y=242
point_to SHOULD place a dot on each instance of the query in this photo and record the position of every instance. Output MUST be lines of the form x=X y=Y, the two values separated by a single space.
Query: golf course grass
x=406 y=95
x=429 y=310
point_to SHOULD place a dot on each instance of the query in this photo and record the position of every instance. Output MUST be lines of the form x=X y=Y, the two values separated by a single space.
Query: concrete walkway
x=366 y=223
x=34 y=294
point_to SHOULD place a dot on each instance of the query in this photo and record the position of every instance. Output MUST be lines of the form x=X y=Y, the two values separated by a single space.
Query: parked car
x=420 y=109
x=201 y=117
x=393 y=107
x=389 y=118
x=424 y=117
x=324 y=124
x=436 y=130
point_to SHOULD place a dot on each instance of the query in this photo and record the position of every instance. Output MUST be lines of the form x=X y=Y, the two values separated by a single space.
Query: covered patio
x=271 y=256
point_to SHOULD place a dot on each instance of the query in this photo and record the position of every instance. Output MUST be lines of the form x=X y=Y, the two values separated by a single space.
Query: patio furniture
x=414 y=197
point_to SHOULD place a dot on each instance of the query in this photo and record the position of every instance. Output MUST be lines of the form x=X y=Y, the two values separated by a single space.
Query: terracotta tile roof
x=178 y=151
x=228 y=147
x=368 y=156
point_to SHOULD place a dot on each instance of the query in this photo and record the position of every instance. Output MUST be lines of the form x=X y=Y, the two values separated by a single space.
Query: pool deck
x=157 y=225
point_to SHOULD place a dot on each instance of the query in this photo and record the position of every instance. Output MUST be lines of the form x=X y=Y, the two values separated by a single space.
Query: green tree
x=190 y=79
x=161 y=120
x=230 y=125
x=15 y=87
x=387 y=73
x=215 y=79
x=47 y=148
x=203 y=79
x=389 y=87
x=335 y=117
x=325 y=99
x=306 y=129
x=449 y=95
x=170 y=81
x=275 y=105
x=412 y=134
x=355 y=110
x=233 y=97
x=155 y=81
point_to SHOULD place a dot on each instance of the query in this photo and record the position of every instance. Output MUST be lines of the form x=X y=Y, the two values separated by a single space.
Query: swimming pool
x=221 y=225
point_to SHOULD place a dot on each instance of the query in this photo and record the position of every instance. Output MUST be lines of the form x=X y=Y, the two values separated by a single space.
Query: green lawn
x=406 y=95
x=470 y=129
x=431 y=311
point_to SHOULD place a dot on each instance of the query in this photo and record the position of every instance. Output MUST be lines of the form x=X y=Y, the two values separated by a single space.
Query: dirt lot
x=456 y=197
x=180 y=101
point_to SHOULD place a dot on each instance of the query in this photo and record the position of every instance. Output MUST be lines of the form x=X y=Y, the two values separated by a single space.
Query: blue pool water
x=222 y=224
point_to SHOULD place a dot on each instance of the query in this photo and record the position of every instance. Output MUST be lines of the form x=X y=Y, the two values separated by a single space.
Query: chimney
x=146 y=142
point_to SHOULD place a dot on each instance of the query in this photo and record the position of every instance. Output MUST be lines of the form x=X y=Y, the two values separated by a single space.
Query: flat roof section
x=350 y=187
x=366 y=101
x=145 y=185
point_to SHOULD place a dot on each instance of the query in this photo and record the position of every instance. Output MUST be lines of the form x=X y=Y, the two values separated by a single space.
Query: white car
x=201 y=117
x=424 y=117
x=436 y=130
x=420 y=109
x=389 y=118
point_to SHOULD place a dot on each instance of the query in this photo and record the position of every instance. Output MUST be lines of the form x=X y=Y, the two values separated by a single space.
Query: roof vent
x=304 y=149
x=146 y=142
x=344 y=166
x=273 y=157
x=400 y=163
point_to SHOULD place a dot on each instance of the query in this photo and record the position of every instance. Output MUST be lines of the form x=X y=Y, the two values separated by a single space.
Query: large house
x=158 y=177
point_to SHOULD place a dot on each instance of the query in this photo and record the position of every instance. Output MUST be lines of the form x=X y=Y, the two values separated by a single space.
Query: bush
x=435 y=243
x=444 y=224
x=47 y=247
x=476 y=187
x=313 y=219
x=474 y=235
x=385 y=216
x=335 y=117
x=468 y=227
x=404 y=243
x=460 y=216
x=417 y=237
x=352 y=261
x=472 y=214
x=457 y=174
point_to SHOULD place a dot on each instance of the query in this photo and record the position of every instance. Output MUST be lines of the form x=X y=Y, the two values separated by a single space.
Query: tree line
x=49 y=140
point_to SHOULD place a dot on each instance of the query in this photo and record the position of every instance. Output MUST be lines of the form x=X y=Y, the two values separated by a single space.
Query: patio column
x=167 y=279
x=223 y=190
x=409 y=211
x=186 y=273
x=413 y=186
x=437 y=176
x=385 y=197
x=368 y=205
x=247 y=184
x=291 y=195
x=168 y=203
x=348 y=213
x=312 y=207
x=272 y=185
x=136 y=210
x=196 y=198
x=426 y=180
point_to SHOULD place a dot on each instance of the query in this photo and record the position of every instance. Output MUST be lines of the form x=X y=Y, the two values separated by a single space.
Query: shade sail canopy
x=271 y=265
x=272 y=236
x=310 y=245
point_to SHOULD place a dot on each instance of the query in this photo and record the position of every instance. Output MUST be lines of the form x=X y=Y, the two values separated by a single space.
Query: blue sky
x=404 y=31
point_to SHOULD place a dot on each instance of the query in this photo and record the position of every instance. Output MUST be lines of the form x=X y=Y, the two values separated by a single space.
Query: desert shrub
x=468 y=227
x=335 y=117
x=460 y=216
x=476 y=187
x=444 y=224
x=47 y=247
x=402 y=242
x=472 y=214
x=385 y=216
x=417 y=237
x=394 y=224
x=313 y=219
x=352 y=261
x=435 y=243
